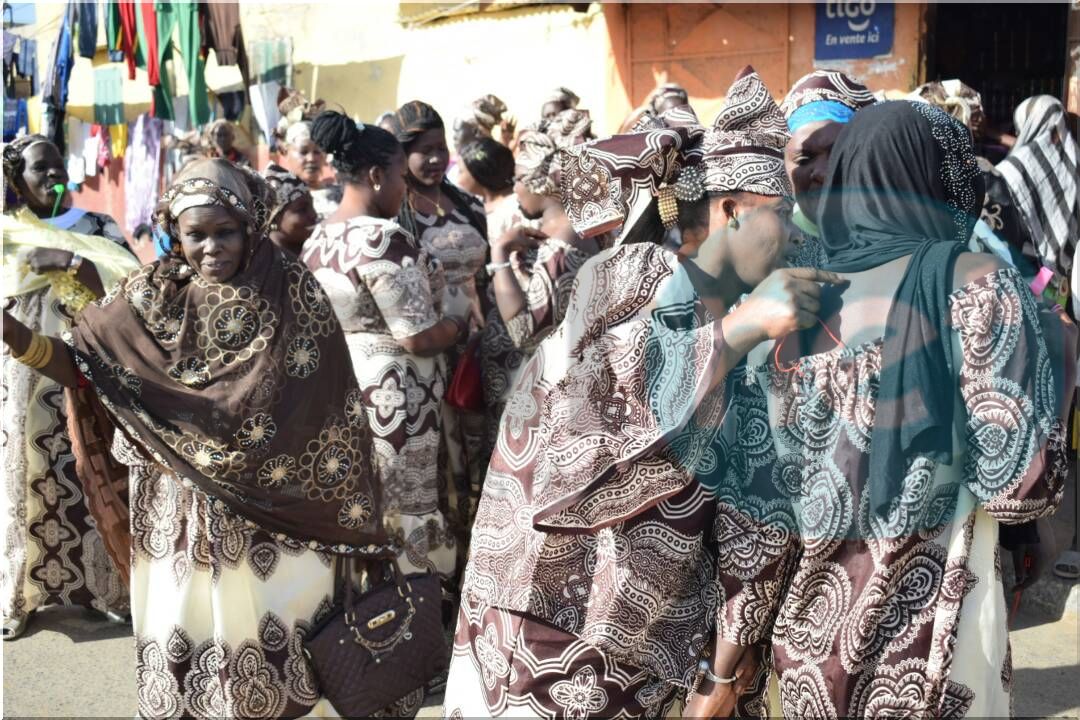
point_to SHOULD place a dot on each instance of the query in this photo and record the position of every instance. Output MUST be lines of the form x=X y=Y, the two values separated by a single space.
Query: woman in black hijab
x=925 y=410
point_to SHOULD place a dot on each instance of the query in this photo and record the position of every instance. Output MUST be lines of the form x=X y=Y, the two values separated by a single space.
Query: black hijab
x=902 y=180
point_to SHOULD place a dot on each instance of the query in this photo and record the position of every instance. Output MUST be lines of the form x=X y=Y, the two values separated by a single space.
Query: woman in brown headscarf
x=591 y=588
x=248 y=456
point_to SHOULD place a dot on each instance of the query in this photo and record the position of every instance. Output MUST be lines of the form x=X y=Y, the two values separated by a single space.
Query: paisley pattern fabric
x=220 y=609
x=596 y=515
x=381 y=287
x=900 y=613
x=507 y=664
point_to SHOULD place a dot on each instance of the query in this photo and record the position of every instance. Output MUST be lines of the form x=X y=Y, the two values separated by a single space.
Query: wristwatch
x=74 y=264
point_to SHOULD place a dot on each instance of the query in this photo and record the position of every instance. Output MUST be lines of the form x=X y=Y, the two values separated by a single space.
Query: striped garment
x=1041 y=172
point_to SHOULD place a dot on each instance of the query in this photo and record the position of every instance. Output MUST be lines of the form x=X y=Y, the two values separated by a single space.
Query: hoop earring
x=376 y=187
x=274 y=227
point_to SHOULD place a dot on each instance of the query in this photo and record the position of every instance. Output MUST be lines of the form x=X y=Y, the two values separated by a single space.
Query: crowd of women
x=698 y=419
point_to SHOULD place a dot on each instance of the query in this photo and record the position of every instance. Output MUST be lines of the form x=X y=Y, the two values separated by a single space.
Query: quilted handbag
x=376 y=648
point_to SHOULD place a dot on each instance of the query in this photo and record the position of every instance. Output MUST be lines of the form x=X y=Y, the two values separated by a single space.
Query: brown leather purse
x=375 y=649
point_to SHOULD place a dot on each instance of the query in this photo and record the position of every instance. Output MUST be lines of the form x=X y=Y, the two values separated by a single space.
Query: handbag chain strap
x=403 y=633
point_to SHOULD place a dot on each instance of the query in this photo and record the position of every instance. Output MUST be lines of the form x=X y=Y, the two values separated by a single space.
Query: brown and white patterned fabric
x=546 y=276
x=383 y=289
x=199 y=652
x=610 y=183
x=828 y=85
x=591 y=519
x=238 y=388
x=901 y=612
x=52 y=552
x=509 y=663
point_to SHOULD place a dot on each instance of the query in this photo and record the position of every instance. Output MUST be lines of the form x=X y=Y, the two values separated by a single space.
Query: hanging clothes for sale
x=264 y=108
x=75 y=164
x=87 y=28
x=26 y=63
x=52 y=125
x=61 y=60
x=165 y=19
x=148 y=41
x=224 y=34
x=187 y=20
x=272 y=61
x=16 y=118
x=141 y=169
x=114 y=35
x=232 y=104
x=129 y=36
x=108 y=95
x=104 y=146
x=91 y=149
x=118 y=140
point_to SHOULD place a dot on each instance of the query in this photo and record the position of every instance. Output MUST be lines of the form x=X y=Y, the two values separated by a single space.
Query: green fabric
x=108 y=95
x=187 y=19
x=112 y=25
x=140 y=33
x=163 y=93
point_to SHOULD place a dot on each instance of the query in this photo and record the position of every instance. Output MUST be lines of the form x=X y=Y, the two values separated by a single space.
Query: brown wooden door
x=702 y=47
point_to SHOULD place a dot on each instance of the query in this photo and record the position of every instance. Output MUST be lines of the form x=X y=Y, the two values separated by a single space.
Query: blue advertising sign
x=846 y=29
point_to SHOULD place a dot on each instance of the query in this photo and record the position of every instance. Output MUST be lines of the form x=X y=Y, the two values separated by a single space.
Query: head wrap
x=285 y=187
x=296 y=116
x=13 y=158
x=242 y=389
x=485 y=113
x=1041 y=172
x=744 y=149
x=824 y=95
x=903 y=181
x=665 y=92
x=563 y=96
x=612 y=182
x=413 y=119
x=952 y=96
x=537 y=147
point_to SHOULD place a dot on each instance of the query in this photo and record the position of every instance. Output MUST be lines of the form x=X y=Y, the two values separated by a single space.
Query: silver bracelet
x=493 y=268
x=705 y=669
x=74 y=264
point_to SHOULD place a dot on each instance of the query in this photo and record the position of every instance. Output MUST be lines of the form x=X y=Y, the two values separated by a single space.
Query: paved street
x=69 y=663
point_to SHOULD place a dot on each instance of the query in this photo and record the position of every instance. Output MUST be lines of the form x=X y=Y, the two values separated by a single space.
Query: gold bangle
x=668 y=207
x=46 y=356
x=33 y=351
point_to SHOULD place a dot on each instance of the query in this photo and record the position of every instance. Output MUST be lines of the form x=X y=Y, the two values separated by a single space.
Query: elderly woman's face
x=428 y=157
x=762 y=242
x=213 y=241
x=44 y=169
x=806 y=159
x=305 y=159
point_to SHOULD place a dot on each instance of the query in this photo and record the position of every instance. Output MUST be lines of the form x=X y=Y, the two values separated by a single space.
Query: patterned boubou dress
x=52 y=553
x=902 y=613
x=383 y=288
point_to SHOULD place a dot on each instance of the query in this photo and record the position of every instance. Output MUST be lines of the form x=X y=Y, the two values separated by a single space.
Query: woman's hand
x=43 y=260
x=718 y=699
x=786 y=301
x=517 y=239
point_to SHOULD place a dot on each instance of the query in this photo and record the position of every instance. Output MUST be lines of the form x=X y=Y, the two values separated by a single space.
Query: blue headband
x=817 y=111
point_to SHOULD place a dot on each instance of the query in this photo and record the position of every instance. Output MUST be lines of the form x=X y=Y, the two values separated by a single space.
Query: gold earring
x=376 y=186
